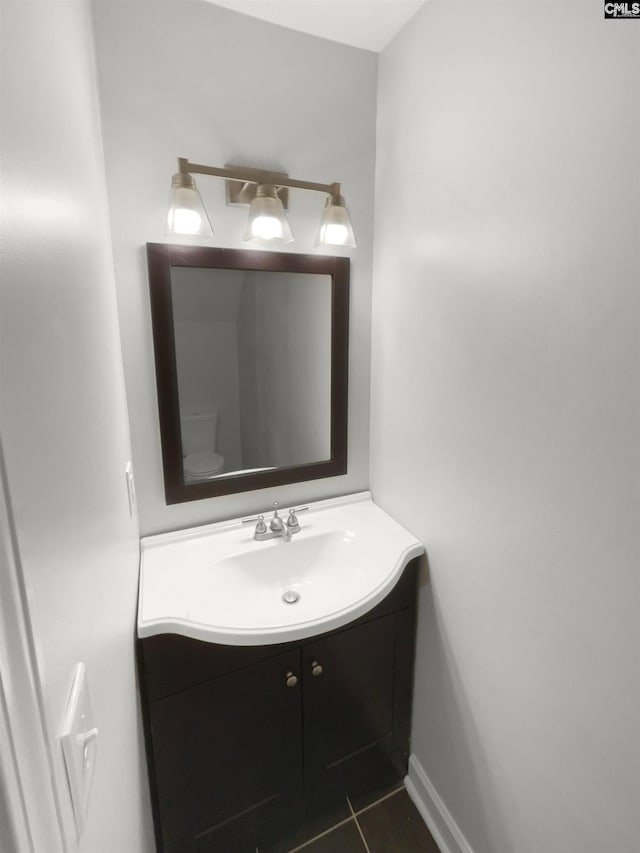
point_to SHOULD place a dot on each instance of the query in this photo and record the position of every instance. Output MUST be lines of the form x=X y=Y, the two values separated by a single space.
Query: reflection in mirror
x=253 y=356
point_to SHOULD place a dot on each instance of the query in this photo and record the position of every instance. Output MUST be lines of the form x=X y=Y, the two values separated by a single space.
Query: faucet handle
x=261 y=527
x=292 y=521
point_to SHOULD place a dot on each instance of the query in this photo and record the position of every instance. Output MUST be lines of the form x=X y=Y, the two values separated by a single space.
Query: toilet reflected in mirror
x=199 y=444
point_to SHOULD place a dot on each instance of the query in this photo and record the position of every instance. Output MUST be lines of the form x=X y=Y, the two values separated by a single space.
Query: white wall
x=505 y=414
x=63 y=414
x=190 y=79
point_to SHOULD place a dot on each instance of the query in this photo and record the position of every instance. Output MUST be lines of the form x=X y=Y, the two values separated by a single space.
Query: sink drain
x=291 y=597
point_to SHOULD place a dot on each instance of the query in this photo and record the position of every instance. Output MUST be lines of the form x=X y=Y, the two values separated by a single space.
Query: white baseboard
x=446 y=832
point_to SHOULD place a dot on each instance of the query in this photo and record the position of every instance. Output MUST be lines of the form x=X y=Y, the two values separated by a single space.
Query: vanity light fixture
x=267 y=223
x=266 y=193
x=186 y=210
x=335 y=224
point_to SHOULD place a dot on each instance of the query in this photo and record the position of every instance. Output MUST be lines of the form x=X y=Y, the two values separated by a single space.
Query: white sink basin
x=216 y=583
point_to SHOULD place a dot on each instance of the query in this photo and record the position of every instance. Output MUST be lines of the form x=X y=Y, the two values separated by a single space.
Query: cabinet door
x=349 y=705
x=228 y=747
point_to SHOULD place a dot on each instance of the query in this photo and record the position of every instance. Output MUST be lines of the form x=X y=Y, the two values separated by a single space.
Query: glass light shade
x=335 y=224
x=267 y=223
x=186 y=210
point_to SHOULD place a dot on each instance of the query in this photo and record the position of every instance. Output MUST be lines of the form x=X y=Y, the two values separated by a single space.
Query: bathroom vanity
x=258 y=718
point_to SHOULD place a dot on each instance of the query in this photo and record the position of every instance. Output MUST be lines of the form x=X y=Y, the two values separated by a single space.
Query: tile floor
x=391 y=824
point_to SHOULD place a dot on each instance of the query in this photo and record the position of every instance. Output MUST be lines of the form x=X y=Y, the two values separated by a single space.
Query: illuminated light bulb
x=266 y=227
x=335 y=234
x=181 y=220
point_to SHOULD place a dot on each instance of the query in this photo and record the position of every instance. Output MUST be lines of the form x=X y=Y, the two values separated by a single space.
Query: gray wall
x=63 y=414
x=189 y=79
x=505 y=415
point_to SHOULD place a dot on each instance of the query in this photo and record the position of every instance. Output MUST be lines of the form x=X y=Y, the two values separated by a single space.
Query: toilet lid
x=203 y=464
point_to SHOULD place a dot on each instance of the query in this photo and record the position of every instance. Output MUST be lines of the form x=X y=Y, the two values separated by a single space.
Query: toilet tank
x=199 y=431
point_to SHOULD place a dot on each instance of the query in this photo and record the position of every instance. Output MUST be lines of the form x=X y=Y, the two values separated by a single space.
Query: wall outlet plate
x=79 y=739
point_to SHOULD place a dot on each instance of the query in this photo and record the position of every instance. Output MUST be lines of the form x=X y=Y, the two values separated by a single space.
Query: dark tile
x=361 y=801
x=395 y=826
x=377 y=763
x=343 y=839
x=306 y=822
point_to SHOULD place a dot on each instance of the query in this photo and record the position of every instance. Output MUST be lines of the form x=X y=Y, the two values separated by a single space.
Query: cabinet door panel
x=349 y=706
x=225 y=747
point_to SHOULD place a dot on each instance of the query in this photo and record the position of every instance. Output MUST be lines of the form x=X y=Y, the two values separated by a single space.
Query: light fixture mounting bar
x=255 y=176
x=242 y=193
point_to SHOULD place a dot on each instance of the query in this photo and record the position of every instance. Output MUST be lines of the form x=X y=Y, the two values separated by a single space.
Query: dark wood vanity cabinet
x=223 y=747
x=243 y=742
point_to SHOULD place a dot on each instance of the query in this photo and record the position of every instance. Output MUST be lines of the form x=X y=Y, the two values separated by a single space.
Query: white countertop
x=216 y=583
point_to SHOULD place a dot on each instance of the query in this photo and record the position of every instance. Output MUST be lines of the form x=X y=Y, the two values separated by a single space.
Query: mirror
x=251 y=356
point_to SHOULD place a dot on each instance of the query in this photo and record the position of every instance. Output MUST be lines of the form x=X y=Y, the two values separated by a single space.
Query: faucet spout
x=283 y=531
x=278 y=527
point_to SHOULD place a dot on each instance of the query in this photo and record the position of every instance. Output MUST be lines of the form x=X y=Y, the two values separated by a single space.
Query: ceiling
x=369 y=24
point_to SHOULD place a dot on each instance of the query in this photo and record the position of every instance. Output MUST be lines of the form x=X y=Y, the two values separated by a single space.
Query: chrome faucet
x=277 y=527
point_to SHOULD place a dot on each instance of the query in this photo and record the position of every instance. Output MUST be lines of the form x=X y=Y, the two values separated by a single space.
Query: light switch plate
x=79 y=738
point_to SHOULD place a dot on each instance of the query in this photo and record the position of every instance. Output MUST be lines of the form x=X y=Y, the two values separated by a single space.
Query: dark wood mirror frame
x=161 y=258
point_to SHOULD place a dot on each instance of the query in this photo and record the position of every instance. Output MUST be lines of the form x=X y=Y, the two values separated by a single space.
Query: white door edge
x=28 y=799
